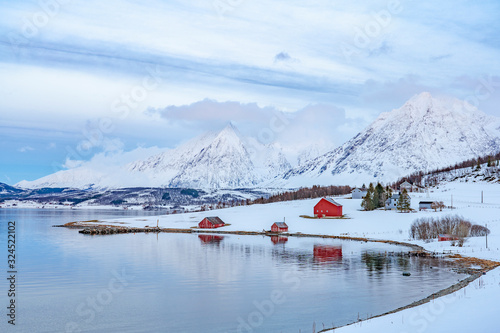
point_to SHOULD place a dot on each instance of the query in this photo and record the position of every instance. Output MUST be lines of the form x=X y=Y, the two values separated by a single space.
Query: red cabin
x=211 y=222
x=279 y=227
x=327 y=207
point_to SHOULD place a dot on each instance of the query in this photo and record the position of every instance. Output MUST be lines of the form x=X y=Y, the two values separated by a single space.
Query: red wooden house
x=327 y=207
x=211 y=222
x=279 y=227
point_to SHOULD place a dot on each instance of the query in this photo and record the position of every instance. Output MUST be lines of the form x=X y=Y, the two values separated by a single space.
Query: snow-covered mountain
x=424 y=134
x=214 y=160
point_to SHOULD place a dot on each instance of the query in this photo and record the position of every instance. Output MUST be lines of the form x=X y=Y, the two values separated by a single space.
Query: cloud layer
x=64 y=64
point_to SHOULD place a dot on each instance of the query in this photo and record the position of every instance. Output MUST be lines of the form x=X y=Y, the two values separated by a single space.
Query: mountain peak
x=423 y=96
x=425 y=133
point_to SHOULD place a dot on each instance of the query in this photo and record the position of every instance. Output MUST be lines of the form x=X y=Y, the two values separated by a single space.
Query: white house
x=358 y=193
x=410 y=188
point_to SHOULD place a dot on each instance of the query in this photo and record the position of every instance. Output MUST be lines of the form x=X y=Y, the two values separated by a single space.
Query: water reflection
x=376 y=262
x=327 y=253
x=279 y=239
x=210 y=239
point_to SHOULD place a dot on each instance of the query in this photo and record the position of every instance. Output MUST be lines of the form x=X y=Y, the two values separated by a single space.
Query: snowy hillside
x=213 y=160
x=424 y=134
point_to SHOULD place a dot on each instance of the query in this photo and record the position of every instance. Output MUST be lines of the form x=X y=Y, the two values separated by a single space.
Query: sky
x=80 y=78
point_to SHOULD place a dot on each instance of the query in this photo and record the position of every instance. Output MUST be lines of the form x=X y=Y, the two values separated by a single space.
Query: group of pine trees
x=376 y=196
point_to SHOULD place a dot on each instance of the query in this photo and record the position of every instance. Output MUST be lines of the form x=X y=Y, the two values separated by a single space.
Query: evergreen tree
x=489 y=161
x=367 y=202
x=478 y=167
x=378 y=201
x=387 y=194
x=403 y=203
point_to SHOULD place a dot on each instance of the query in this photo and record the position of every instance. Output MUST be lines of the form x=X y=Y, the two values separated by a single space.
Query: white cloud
x=25 y=149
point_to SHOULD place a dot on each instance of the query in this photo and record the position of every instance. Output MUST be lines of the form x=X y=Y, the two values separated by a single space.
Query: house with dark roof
x=211 y=222
x=279 y=227
x=327 y=207
x=424 y=205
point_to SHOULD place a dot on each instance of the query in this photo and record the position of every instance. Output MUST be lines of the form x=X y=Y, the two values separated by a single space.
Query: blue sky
x=79 y=78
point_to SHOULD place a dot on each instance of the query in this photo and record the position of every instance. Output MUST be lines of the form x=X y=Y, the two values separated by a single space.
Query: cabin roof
x=214 y=220
x=281 y=224
x=426 y=202
x=330 y=200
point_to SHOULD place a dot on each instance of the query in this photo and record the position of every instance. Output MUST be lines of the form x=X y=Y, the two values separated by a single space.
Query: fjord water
x=68 y=282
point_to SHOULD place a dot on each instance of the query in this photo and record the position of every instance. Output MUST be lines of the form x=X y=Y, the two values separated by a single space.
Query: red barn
x=327 y=207
x=279 y=227
x=211 y=222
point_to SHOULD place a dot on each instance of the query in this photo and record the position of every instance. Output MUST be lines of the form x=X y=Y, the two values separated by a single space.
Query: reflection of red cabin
x=446 y=237
x=327 y=207
x=210 y=239
x=327 y=252
x=211 y=222
x=279 y=239
x=279 y=227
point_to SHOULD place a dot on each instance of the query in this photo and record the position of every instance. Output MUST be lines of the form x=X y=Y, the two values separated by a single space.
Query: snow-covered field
x=470 y=309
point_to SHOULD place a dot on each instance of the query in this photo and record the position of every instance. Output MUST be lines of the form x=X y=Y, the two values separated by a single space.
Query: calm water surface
x=68 y=282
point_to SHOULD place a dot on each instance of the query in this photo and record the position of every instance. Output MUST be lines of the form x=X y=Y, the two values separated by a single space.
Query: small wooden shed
x=211 y=222
x=279 y=227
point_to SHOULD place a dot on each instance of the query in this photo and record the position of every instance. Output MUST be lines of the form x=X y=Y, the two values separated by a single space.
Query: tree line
x=303 y=193
x=492 y=160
